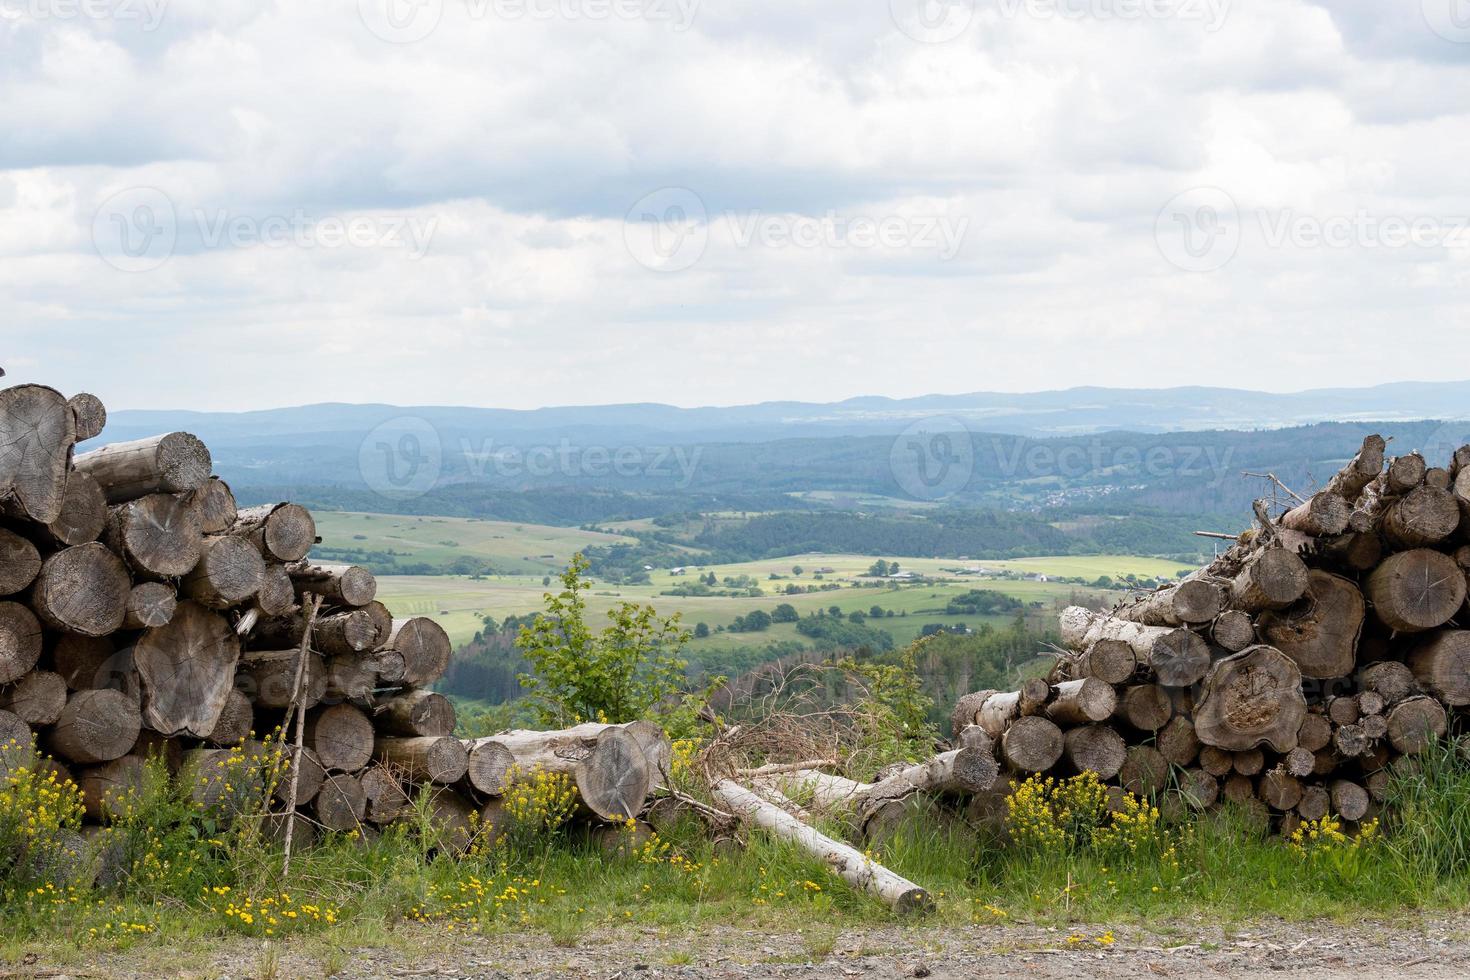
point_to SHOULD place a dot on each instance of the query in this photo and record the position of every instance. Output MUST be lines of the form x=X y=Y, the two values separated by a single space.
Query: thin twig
x=299 y=708
x=776 y=768
x=1274 y=479
x=1217 y=534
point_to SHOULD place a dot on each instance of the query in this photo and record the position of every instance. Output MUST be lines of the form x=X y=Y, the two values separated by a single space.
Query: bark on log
x=187 y=669
x=1177 y=742
x=175 y=462
x=1146 y=707
x=425 y=648
x=1094 y=748
x=423 y=713
x=994 y=711
x=150 y=605
x=341 y=736
x=1414 y=591
x=228 y=573
x=859 y=871
x=344 y=633
x=440 y=760
x=37 y=432
x=89 y=415
x=1234 y=630
x=82 y=518
x=340 y=803
x=1081 y=702
x=1272 y=578
x=20 y=641
x=1031 y=744
x=490 y=767
x=275 y=597
x=1110 y=661
x=159 y=535
x=340 y=585
x=36 y=699
x=1423 y=516
x=20 y=562
x=1353 y=552
x=236 y=719
x=95 y=726
x=82 y=590
x=1414 y=723
x=1178 y=604
x=608 y=766
x=1441 y=665
x=1323 y=514
x=1252 y=698
x=1178 y=657
x=215 y=503
x=1320 y=633
x=1360 y=471
x=282 y=532
x=268 y=678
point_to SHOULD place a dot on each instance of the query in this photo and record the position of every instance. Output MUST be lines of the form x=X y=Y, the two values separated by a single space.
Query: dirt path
x=1437 y=948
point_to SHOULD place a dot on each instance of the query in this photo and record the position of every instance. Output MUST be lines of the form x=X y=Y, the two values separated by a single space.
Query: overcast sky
x=236 y=204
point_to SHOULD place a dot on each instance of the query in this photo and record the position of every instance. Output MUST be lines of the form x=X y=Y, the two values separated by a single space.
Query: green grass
x=532 y=549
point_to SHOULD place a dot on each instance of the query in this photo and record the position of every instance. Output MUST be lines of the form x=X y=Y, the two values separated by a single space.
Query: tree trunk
x=342 y=737
x=340 y=803
x=1178 y=604
x=150 y=605
x=1146 y=707
x=1178 y=657
x=1414 y=591
x=1415 y=723
x=235 y=722
x=1094 y=748
x=175 y=462
x=339 y=585
x=1082 y=702
x=431 y=759
x=416 y=712
x=36 y=699
x=187 y=669
x=37 y=432
x=1031 y=744
x=282 y=532
x=82 y=590
x=95 y=726
x=490 y=767
x=425 y=648
x=1323 y=514
x=20 y=562
x=158 y=535
x=1252 y=698
x=1423 y=516
x=1441 y=665
x=1272 y=578
x=859 y=871
x=1110 y=661
x=20 y=641
x=1234 y=630
x=1321 y=632
x=609 y=767
x=229 y=572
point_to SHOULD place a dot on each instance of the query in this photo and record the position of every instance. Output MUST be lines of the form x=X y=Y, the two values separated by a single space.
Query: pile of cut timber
x=142 y=613
x=1290 y=675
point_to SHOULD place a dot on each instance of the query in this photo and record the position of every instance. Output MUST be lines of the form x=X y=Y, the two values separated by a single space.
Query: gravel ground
x=1430 y=948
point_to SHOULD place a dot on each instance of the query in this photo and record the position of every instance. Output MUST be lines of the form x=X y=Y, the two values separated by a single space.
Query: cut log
x=1144 y=772
x=150 y=605
x=228 y=573
x=1349 y=800
x=1370 y=703
x=1315 y=732
x=20 y=562
x=1350 y=741
x=83 y=514
x=82 y=590
x=17 y=746
x=1177 y=742
x=1299 y=762
x=964 y=771
x=79 y=659
x=268 y=678
x=340 y=585
x=95 y=726
x=1423 y=516
x=967 y=711
x=998 y=711
x=1238 y=788
x=855 y=868
x=1110 y=661
x=1146 y=707
x=275 y=597
x=89 y=415
x=1234 y=630
x=1216 y=761
x=490 y=767
x=425 y=648
x=187 y=669
x=1315 y=803
x=107 y=789
x=1178 y=657
x=308 y=781
x=1323 y=514
x=1360 y=471
x=1272 y=578
x=1414 y=723
x=1199 y=789
x=415 y=713
x=609 y=768
x=37 y=432
x=236 y=719
x=282 y=532
x=431 y=759
x=1374 y=726
x=384 y=620
x=452 y=818
x=1252 y=698
x=348 y=679
x=215 y=503
x=386 y=800
x=1414 y=591
x=1441 y=665
x=1378 y=784
x=159 y=535
x=341 y=736
x=1343 y=710
x=1353 y=552
x=1177 y=604
x=175 y=462
x=1081 y=702
x=1094 y=748
x=344 y=633
x=340 y=803
x=1031 y=744
x=36 y=699
x=1320 y=632
x=20 y=641
x=1248 y=763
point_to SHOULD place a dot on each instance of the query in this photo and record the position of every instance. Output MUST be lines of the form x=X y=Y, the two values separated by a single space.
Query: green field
x=534 y=549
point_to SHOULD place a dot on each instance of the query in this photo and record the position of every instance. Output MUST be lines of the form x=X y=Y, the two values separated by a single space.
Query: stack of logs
x=1290 y=676
x=143 y=614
